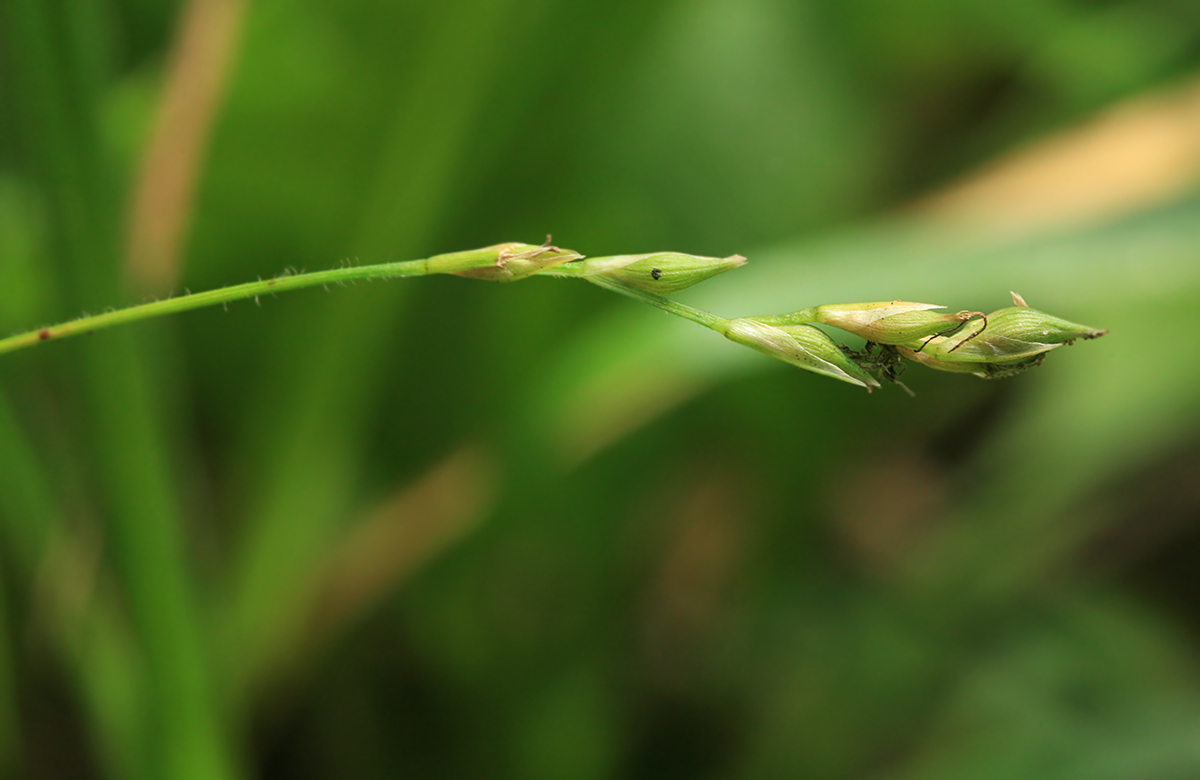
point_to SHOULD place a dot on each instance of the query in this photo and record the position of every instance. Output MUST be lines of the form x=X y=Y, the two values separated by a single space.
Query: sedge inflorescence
x=989 y=345
x=1000 y=344
x=992 y=346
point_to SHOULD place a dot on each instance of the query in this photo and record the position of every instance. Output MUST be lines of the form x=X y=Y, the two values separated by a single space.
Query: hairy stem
x=225 y=295
x=472 y=262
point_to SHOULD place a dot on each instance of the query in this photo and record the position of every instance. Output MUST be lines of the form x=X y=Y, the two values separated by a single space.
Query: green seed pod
x=1008 y=336
x=801 y=345
x=661 y=273
x=501 y=263
x=1002 y=343
x=884 y=322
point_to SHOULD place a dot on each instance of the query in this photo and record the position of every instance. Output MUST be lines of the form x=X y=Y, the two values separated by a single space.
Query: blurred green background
x=440 y=528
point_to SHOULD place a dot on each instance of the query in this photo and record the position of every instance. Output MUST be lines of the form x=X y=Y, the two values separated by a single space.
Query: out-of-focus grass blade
x=309 y=422
x=27 y=505
x=100 y=653
x=393 y=542
x=61 y=65
x=111 y=675
x=103 y=659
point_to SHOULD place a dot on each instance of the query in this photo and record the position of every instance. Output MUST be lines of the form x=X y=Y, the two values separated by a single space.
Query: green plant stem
x=226 y=295
x=448 y=263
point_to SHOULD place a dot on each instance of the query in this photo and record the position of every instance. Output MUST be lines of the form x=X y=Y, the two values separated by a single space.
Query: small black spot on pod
x=656 y=273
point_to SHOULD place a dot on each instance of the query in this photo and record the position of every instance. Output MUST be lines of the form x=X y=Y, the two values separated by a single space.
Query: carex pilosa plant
x=995 y=345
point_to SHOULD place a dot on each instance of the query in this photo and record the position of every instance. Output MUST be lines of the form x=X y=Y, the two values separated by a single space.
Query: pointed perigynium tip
x=661 y=273
x=1000 y=344
x=1076 y=331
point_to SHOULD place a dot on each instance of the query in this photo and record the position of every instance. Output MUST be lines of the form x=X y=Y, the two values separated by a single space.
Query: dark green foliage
x=662 y=555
